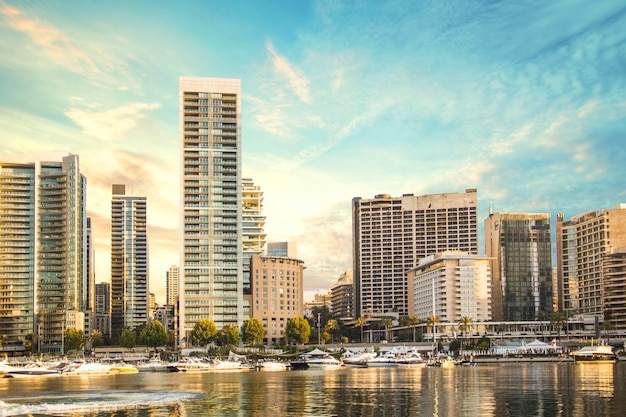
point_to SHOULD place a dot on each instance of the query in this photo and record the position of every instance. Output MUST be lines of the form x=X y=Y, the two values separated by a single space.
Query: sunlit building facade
x=277 y=293
x=391 y=235
x=211 y=264
x=253 y=235
x=614 y=289
x=171 y=285
x=342 y=297
x=451 y=285
x=42 y=248
x=582 y=243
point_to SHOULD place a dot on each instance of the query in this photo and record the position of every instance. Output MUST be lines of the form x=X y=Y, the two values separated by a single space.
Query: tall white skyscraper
x=211 y=264
x=42 y=248
x=129 y=261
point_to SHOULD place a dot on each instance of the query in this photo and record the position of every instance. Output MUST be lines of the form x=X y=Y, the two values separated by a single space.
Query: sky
x=523 y=100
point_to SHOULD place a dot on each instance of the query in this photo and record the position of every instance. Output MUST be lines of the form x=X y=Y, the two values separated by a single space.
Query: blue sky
x=523 y=100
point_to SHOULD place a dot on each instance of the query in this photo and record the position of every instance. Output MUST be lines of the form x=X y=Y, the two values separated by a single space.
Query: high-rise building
x=520 y=249
x=129 y=261
x=277 y=293
x=451 y=285
x=390 y=236
x=90 y=282
x=614 y=288
x=171 y=282
x=42 y=248
x=211 y=264
x=103 y=309
x=582 y=243
x=342 y=297
x=253 y=237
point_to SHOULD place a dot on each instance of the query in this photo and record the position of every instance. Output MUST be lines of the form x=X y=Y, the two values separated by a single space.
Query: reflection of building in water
x=593 y=380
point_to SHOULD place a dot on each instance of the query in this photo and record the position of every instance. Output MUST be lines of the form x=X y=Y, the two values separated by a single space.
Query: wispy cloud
x=51 y=42
x=110 y=124
x=295 y=77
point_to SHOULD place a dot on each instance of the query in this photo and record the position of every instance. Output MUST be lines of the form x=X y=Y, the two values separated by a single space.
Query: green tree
x=252 y=331
x=154 y=335
x=203 y=332
x=299 y=330
x=73 y=339
x=465 y=325
x=332 y=326
x=229 y=335
x=360 y=323
x=128 y=338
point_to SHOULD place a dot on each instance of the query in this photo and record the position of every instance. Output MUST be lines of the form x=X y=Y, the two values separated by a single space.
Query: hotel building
x=129 y=261
x=42 y=248
x=392 y=234
x=582 y=243
x=520 y=249
x=451 y=285
x=211 y=264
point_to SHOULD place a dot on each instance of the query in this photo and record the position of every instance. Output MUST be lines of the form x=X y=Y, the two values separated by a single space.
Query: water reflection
x=489 y=390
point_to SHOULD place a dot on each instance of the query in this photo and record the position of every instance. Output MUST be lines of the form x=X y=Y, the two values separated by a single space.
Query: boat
x=385 y=361
x=319 y=359
x=595 y=354
x=193 y=365
x=413 y=359
x=359 y=361
x=87 y=368
x=35 y=369
x=124 y=368
x=228 y=365
x=157 y=365
x=272 y=366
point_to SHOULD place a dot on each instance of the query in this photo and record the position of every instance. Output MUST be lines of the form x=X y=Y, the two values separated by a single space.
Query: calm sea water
x=532 y=389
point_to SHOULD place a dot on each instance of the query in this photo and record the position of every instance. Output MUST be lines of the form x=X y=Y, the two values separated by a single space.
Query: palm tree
x=94 y=338
x=331 y=327
x=433 y=321
x=386 y=322
x=360 y=322
x=465 y=324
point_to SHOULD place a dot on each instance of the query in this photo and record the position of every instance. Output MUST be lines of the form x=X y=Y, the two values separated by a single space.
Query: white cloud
x=109 y=124
x=295 y=76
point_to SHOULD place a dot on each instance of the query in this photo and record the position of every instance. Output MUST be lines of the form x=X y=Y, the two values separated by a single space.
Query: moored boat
x=595 y=354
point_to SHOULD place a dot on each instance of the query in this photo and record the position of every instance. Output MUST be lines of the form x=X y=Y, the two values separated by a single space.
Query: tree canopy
x=299 y=330
x=154 y=334
x=253 y=331
x=229 y=335
x=203 y=332
x=73 y=339
x=128 y=338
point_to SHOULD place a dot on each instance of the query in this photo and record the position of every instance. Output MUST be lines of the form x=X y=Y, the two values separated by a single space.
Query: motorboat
x=228 y=365
x=384 y=361
x=595 y=354
x=35 y=369
x=193 y=365
x=360 y=361
x=272 y=366
x=88 y=368
x=157 y=365
x=319 y=359
x=414 y=359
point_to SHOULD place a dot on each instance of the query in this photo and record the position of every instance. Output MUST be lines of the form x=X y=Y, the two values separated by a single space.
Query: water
x=529 y=389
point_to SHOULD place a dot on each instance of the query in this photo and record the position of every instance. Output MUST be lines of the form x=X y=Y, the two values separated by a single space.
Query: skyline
x=525 y=103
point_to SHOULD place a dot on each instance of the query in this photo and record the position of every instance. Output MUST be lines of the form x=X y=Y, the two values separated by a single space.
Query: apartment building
x=43 y=283
x=129 y=261
x=171 y=285
x=211 y=264
x=342 y=297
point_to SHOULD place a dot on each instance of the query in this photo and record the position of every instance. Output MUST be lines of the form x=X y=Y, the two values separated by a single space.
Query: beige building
x=211 y=263
x=614 y=288
x=391 y=234
x=451 y=285
x=582 y=243
x=171 y=282
x=277 y=293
